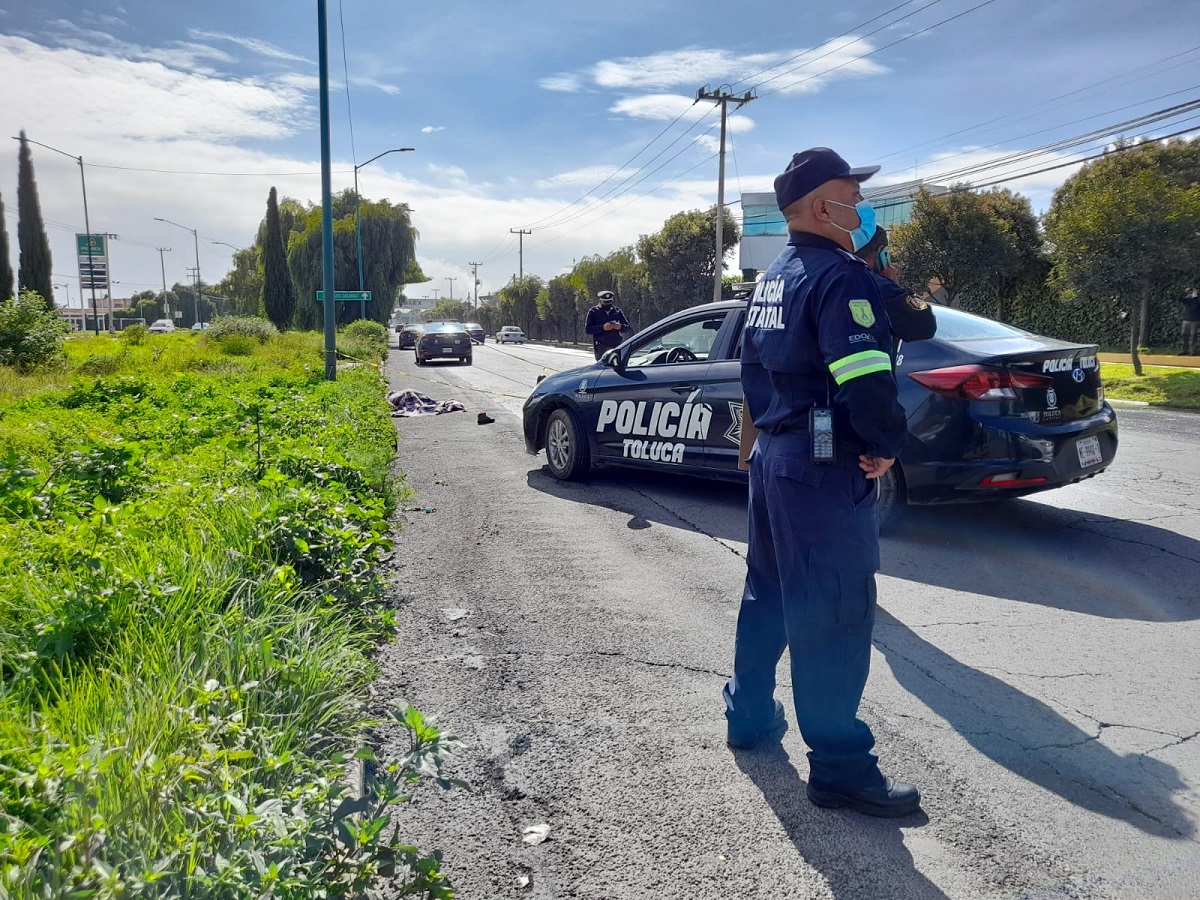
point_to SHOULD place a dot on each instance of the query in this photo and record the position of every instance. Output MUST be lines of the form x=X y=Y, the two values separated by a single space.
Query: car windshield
x=956 y=325
x=688 y=342
x=443 y=328
x=414 y=328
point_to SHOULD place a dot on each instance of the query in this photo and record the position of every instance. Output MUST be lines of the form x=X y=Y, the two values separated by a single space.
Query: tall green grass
x=189 y=543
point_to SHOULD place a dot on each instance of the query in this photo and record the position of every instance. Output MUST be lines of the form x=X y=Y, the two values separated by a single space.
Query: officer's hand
x=874 y=466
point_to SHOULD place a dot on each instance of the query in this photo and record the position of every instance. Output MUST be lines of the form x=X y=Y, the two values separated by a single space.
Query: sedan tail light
x=978 y=382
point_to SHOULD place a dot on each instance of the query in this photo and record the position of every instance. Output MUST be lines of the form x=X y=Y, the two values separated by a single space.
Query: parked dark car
x=443 y=339
x=475 y=330
x=408 y=335
x=993 y=411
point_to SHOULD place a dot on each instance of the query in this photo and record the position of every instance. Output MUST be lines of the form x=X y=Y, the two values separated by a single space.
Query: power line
x=346 y=80
x=92 y=165
x=894 y=43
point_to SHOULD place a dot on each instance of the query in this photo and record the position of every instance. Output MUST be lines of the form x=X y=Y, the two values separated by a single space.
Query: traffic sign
x=338 y=296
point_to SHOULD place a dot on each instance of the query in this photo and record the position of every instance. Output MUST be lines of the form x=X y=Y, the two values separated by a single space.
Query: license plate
x=1089 y=452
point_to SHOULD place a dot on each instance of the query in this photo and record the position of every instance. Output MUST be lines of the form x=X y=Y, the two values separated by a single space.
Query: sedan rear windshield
x=956 y=325
x=444 y=328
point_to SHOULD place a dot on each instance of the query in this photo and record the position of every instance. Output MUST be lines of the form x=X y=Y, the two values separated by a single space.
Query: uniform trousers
x=1190 y=337
x=810 y=588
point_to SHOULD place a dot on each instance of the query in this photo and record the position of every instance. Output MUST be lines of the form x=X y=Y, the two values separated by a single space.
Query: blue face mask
x=860 y=236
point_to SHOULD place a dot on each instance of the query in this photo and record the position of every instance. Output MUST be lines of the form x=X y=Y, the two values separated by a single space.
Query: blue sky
x=520 y=110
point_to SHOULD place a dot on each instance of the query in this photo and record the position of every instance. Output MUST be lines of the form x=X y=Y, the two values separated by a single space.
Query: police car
x=993 y=411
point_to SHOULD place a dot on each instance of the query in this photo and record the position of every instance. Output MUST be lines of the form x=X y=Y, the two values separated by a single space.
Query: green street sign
x=98 y=245
x=338 y=296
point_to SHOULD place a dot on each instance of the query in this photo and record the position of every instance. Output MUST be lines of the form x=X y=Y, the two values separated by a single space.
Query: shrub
x=135 y=334
x=364 y=339
x=366 y=330
x=31 y=333
x=235 y=344
x=247 y=326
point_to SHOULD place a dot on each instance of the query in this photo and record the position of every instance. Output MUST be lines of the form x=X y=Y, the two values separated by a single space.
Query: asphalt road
x=1035 y=673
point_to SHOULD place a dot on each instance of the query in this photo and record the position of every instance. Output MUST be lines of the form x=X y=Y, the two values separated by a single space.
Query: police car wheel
x=567 y=454
x=891 y=500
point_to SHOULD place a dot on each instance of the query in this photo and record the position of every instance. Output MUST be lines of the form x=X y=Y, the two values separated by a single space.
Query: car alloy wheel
x=567 y=454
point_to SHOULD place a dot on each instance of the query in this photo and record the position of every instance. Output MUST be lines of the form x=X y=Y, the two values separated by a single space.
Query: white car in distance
x=510 y=333
x=162 y=326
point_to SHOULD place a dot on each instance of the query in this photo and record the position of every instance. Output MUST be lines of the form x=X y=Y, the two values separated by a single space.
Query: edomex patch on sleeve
x=861 y=312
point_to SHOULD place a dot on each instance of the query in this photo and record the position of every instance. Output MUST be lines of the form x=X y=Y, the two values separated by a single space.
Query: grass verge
x=1158 y=385
x=189 y=595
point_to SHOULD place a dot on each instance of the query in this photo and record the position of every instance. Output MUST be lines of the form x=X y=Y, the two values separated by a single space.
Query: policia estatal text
x=817 y=351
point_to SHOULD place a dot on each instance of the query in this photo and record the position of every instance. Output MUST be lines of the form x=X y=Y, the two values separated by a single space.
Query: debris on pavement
x=414 y=403
x=453 y=615
x=535 y=834
x=485 y=419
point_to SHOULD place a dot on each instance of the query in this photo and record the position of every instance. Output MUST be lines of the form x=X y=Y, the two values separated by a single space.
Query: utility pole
x=452 y=279
x=327 y=282
x=724 y=98
x=521 y=245
x=163 y=265
x=195 y=273
x=475 y=278
x=435 y=292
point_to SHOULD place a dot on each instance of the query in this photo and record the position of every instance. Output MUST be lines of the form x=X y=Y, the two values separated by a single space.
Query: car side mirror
x=612 y=359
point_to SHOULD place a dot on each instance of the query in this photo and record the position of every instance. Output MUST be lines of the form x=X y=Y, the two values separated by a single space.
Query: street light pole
x=451 y=279
x=357 y=231
x=196 y=238
x=86 y=226
x=163 y=265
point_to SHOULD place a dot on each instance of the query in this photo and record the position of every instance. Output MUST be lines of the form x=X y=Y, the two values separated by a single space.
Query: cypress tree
x=34 y=263
x=278 y=292
x=6 y=272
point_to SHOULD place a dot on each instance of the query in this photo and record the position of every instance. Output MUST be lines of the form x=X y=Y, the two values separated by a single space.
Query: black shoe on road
x=888 y=800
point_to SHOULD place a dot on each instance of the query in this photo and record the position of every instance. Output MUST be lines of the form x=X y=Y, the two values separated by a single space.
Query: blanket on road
x=414 y=403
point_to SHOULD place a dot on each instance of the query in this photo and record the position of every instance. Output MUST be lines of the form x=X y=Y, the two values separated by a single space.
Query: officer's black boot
x=887 y=799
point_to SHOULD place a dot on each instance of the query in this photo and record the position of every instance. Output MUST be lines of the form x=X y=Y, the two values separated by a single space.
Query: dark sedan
x=440 y=340
x=475 y=330
x=994 y=412
x=409 y=335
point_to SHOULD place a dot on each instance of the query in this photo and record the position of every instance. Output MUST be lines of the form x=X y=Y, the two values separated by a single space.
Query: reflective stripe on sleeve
x=857 y=364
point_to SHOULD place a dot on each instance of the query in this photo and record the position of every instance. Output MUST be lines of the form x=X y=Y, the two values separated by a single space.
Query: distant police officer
x=604 y=323
x=817 y=378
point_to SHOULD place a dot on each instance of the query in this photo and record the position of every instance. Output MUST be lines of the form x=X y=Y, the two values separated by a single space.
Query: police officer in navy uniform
x=817 y=351
x=605 y=323
x=911 y=318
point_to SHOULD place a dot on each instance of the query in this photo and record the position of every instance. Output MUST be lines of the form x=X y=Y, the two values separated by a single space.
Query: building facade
x=764 y=231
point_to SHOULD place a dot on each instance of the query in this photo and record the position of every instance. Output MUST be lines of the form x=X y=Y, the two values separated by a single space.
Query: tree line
x=1118 y=244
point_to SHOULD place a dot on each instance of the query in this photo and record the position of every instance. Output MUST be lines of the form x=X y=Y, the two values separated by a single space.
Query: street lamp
x=87 y=227
x=196 y=238
x=357 y=233
x=230 y=246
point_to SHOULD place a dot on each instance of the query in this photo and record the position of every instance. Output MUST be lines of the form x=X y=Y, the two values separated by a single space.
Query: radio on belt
x=820 y=427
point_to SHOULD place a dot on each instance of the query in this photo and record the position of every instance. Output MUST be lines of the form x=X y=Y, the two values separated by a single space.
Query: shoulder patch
x=917 y=303
x=861 y=312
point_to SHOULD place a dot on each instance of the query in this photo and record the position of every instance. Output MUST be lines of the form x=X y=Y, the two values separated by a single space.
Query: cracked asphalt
x=1035 y=673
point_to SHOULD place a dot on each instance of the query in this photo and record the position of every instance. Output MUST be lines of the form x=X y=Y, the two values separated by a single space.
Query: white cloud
x=430 y=129
x=383 y=86
x=589 y=176
x=169 y=104
x=788 y=71
x=565 y=83
x=454 y=174
x=263 y=48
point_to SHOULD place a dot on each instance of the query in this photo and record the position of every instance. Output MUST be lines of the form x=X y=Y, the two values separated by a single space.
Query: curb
x=1127 y=404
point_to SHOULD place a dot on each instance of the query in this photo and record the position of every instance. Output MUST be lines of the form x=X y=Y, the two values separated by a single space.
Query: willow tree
x=389 y=258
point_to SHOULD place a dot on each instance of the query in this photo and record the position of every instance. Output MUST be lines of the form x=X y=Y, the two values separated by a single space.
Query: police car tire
x=891 y=497
x=570 y=457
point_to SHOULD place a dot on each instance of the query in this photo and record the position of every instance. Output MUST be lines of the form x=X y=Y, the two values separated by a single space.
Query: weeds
x=188 y=601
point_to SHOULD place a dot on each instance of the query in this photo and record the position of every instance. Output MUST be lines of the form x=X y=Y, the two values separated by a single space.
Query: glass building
x=764 y=231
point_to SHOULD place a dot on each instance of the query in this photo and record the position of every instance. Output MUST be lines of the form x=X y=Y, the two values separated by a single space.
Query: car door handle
x=683 y=388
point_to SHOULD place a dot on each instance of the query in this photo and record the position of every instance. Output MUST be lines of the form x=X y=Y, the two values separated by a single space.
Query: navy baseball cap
x=809 y=169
